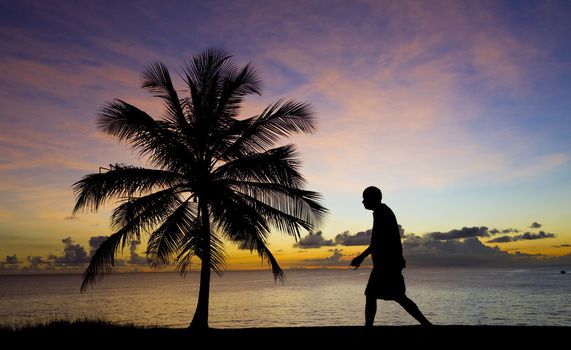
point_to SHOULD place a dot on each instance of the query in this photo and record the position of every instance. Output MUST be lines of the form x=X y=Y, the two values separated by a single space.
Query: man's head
x=372 y=197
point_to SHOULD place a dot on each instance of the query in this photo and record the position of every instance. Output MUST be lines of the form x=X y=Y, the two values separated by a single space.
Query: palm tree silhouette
x=212 y=178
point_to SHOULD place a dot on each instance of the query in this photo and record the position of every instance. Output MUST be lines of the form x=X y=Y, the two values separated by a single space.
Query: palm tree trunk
x=200 y=319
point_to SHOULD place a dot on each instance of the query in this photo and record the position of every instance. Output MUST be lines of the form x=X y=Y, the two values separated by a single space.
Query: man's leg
x=413 y=310
x=370 y=310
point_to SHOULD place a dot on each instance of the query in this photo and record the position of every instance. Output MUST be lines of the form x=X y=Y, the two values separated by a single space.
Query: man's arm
x=359 y=259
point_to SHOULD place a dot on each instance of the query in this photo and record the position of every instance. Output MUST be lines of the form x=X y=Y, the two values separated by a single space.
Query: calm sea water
x=534 y=296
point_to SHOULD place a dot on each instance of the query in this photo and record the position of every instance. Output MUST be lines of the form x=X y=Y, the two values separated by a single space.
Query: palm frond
x=157 y=79
x=102 y=260
x=242 y=223
x=165 y=241
x=193 y=245
x=226 y=138
x=266 y=255
x=277 y=165
x=94 y=190
x=237 y=221
x=188 y=251
x=124 y=121
x=104 y=257
x=284 y=118
x=202 y=74
x=129 y=218
x=201 y=70
x=145 y=213
x=235 y=86
x=154 y=138
x=280 y=119
x=287 y=209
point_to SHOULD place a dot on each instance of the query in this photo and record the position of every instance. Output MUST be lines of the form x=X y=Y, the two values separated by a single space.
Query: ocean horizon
x=534 y=296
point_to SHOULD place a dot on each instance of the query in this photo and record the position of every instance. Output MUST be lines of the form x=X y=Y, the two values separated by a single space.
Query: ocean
x=240 y=299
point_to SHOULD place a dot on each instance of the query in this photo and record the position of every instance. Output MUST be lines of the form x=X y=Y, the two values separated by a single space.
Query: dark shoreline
x=102 y=335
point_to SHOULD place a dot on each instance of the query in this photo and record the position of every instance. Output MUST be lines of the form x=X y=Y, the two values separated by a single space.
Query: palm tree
x=212 y=177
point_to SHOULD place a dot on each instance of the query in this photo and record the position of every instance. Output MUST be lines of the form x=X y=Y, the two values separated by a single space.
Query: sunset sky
x=460 y=111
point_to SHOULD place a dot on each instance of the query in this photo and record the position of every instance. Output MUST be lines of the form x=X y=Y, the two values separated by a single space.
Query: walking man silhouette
x=386 y=281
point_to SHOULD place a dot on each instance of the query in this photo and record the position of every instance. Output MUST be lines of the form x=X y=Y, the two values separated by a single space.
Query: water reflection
x=306 y=298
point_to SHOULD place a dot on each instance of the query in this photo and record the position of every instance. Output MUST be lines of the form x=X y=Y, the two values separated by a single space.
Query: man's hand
x=357 y=261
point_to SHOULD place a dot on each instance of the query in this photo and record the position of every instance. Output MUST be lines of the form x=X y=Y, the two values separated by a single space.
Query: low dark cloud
x=359 y=238
x=528 y=236
x=73 y=254
x=501 y=239
x=469 y=252
x=94 y=243
x=11 y=262
x=535 y=225
x=135 y=258
x=457 y=247
x=36 y=262
x=427 y=251
x=314 y=240
x=466 y=252
x=465 y=232
x=562 y=246
x=495 y=231
x=531 y=236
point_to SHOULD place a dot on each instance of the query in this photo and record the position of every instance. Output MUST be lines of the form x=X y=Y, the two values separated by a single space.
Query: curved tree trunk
x=200 y=319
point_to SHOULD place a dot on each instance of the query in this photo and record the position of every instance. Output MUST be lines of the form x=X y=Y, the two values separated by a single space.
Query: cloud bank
x=535 y=225
x=74 y=257
x=313 y=240
x=457 y=247
x=73 y=254
x=465 y=232
x=359 y=238
x=10 y=262
x=528 y=236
